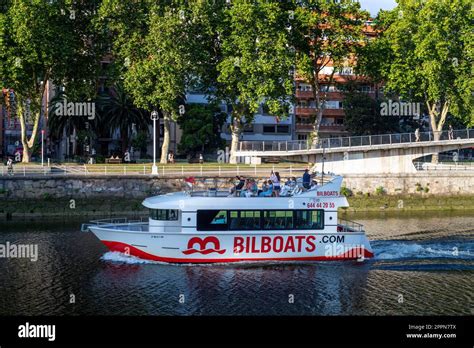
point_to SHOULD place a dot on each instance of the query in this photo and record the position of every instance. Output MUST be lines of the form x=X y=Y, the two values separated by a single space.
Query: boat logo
x=203 y=243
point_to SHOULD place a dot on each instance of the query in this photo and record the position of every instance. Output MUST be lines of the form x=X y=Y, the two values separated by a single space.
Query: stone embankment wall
x=445 y=183
x=436 y=183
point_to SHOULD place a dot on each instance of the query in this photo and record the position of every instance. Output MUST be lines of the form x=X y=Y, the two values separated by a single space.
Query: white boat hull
x=212 y=247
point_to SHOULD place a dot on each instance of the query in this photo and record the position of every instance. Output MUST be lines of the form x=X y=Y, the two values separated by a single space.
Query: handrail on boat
x=109 y=221
x=349 y=226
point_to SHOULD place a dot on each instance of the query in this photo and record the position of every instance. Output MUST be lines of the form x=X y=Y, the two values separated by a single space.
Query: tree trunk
x=27 y=143
x=437 y=125
x=166 y=138
x=319 y=101
x=236 y=129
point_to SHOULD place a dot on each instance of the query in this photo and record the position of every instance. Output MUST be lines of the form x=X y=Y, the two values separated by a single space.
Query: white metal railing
x=453 y=166
x=163 y=171
x=122 y=221
x=365 y=140
x=349 y=226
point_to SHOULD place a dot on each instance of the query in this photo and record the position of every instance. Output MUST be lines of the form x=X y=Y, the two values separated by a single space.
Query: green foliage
x=425 y=54
x=346 y=191
x=117 y=111
x=157 y=48
x=325 y=33
x=201 y=126
x=362 y=115
x=254 y=58
x=380 y=190
x=43 y=41
x=140 y=142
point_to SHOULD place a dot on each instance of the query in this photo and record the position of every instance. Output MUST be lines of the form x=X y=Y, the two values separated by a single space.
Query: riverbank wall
x=119 y=195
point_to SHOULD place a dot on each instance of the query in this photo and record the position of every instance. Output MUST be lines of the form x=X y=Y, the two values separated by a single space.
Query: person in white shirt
x=275 y=178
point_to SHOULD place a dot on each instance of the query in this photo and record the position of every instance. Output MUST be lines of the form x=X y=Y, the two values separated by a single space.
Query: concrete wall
x=442 y=183
x=140 y=187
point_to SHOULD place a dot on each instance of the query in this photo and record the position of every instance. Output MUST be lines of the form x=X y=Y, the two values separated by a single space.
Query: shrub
x=346 y=191
x=380 y=190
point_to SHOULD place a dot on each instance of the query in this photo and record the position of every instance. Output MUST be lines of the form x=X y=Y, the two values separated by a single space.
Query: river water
x=424 y=265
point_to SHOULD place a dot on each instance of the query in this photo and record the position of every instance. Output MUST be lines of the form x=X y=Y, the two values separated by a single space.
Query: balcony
x=333 y=112
x=332 y=127
x=304 y=127
x=307 y=111
x=304 y=94
x=329 y=95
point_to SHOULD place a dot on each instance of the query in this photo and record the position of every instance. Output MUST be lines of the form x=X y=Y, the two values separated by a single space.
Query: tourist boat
x=216 y=226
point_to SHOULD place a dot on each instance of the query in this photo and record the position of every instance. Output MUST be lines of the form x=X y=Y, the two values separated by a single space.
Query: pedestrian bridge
x=385 y=153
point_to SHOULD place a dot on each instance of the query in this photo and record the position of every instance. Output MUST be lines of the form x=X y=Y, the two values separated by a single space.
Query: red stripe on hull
x=131 y=250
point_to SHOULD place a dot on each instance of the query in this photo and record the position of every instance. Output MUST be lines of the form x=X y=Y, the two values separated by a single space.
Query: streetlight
x=154 y=117
x=42 y=147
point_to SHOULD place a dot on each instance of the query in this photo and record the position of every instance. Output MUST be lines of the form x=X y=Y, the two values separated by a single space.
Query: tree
x=325 y=34
x=362 y=115
x=430 y=57
x=253 y=62
x=119 y=112
x=158 y=49
x=44 y=42
x=201 y=126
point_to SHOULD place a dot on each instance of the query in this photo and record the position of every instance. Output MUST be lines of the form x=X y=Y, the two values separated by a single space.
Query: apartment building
x=265 y=127
x=332 y=123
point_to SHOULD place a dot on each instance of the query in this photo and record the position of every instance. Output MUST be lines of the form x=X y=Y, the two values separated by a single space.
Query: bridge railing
x=364 y=140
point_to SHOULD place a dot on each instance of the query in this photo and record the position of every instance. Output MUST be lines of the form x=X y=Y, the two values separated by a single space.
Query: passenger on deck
x=275 y=178
x=253 y=187
x=306 y=179
x=267 y=190
x=247 y=190
x=236 y=189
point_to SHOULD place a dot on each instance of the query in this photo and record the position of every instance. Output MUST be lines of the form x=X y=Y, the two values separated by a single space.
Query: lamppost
x=154 y=117
x=42 y=147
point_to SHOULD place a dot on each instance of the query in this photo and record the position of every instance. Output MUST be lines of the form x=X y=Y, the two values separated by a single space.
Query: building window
x=283 y=129
x=333 y=104
x=303 y=120
x=304 y=87
x=302 y=136
x=272 y=129
x=164 y=214
x=211 y=220
x=268 y=129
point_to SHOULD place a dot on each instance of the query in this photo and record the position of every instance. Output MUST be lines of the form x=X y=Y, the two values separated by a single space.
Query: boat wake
x=115 y=256
x=439 y=249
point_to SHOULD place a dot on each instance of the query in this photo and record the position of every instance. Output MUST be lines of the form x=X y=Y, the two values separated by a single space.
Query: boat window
x=211 y=220
x=278 y=219
x=245 y=220
x=164 y=214
x=309 y=219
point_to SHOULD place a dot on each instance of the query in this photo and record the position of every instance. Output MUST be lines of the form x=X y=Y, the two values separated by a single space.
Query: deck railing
x=349 y=226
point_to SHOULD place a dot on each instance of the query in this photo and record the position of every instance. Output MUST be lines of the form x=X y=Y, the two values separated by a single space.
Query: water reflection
x=414 y=259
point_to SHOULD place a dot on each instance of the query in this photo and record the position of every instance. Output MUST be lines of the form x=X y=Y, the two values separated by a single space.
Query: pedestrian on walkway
x=417 y=135
x=10 y=166
x=450 y=132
